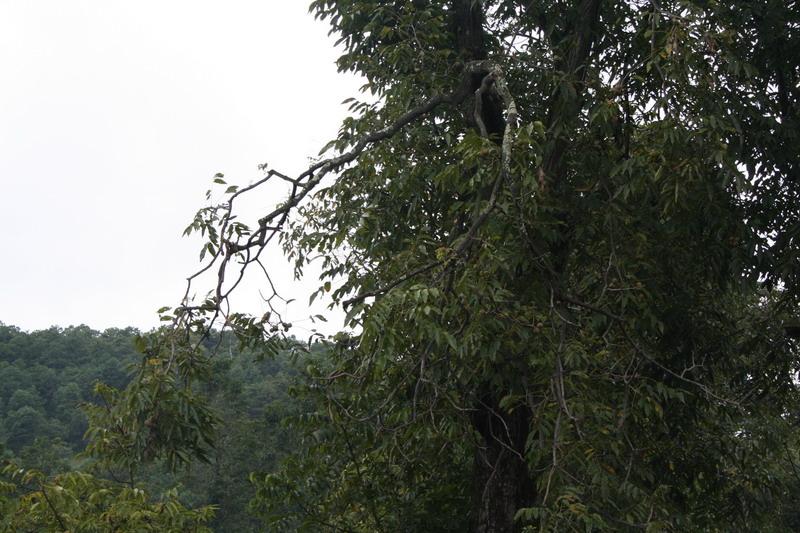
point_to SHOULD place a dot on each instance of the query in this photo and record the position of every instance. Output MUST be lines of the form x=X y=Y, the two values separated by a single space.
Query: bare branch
x=308 y=180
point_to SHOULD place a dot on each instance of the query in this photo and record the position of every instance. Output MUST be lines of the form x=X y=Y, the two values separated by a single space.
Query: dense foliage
x=566 y=234
x=47 y=375
x=567 y=237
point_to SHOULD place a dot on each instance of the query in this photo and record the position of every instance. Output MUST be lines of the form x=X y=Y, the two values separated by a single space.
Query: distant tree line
x=46 y=375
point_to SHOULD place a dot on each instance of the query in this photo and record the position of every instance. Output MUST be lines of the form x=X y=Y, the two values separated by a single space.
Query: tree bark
x=502 y=482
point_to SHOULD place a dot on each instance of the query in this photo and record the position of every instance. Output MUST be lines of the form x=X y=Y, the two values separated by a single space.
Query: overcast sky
x=114 y=117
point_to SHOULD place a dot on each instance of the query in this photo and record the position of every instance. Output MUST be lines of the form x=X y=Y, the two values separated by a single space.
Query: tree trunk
x=502 y=483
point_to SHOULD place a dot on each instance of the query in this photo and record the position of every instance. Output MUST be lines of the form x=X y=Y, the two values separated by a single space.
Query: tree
x=25 y=398
x=250 y=398
x=67 y=398
x=566 y=234
x=23 y=425
x=76 y=501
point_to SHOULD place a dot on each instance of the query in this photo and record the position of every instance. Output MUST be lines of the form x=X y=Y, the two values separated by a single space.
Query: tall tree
x=566 y=233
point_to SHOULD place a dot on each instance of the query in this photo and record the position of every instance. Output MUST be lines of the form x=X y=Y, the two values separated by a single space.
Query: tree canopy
x=42 y=430
x=566 y=235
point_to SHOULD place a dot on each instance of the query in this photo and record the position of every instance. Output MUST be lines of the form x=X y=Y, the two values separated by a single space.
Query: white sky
x=115 y=115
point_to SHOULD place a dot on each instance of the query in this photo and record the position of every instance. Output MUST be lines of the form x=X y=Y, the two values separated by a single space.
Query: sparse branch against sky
x=114 y=117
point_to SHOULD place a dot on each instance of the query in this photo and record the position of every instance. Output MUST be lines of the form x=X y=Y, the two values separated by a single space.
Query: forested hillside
x=46 y=375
